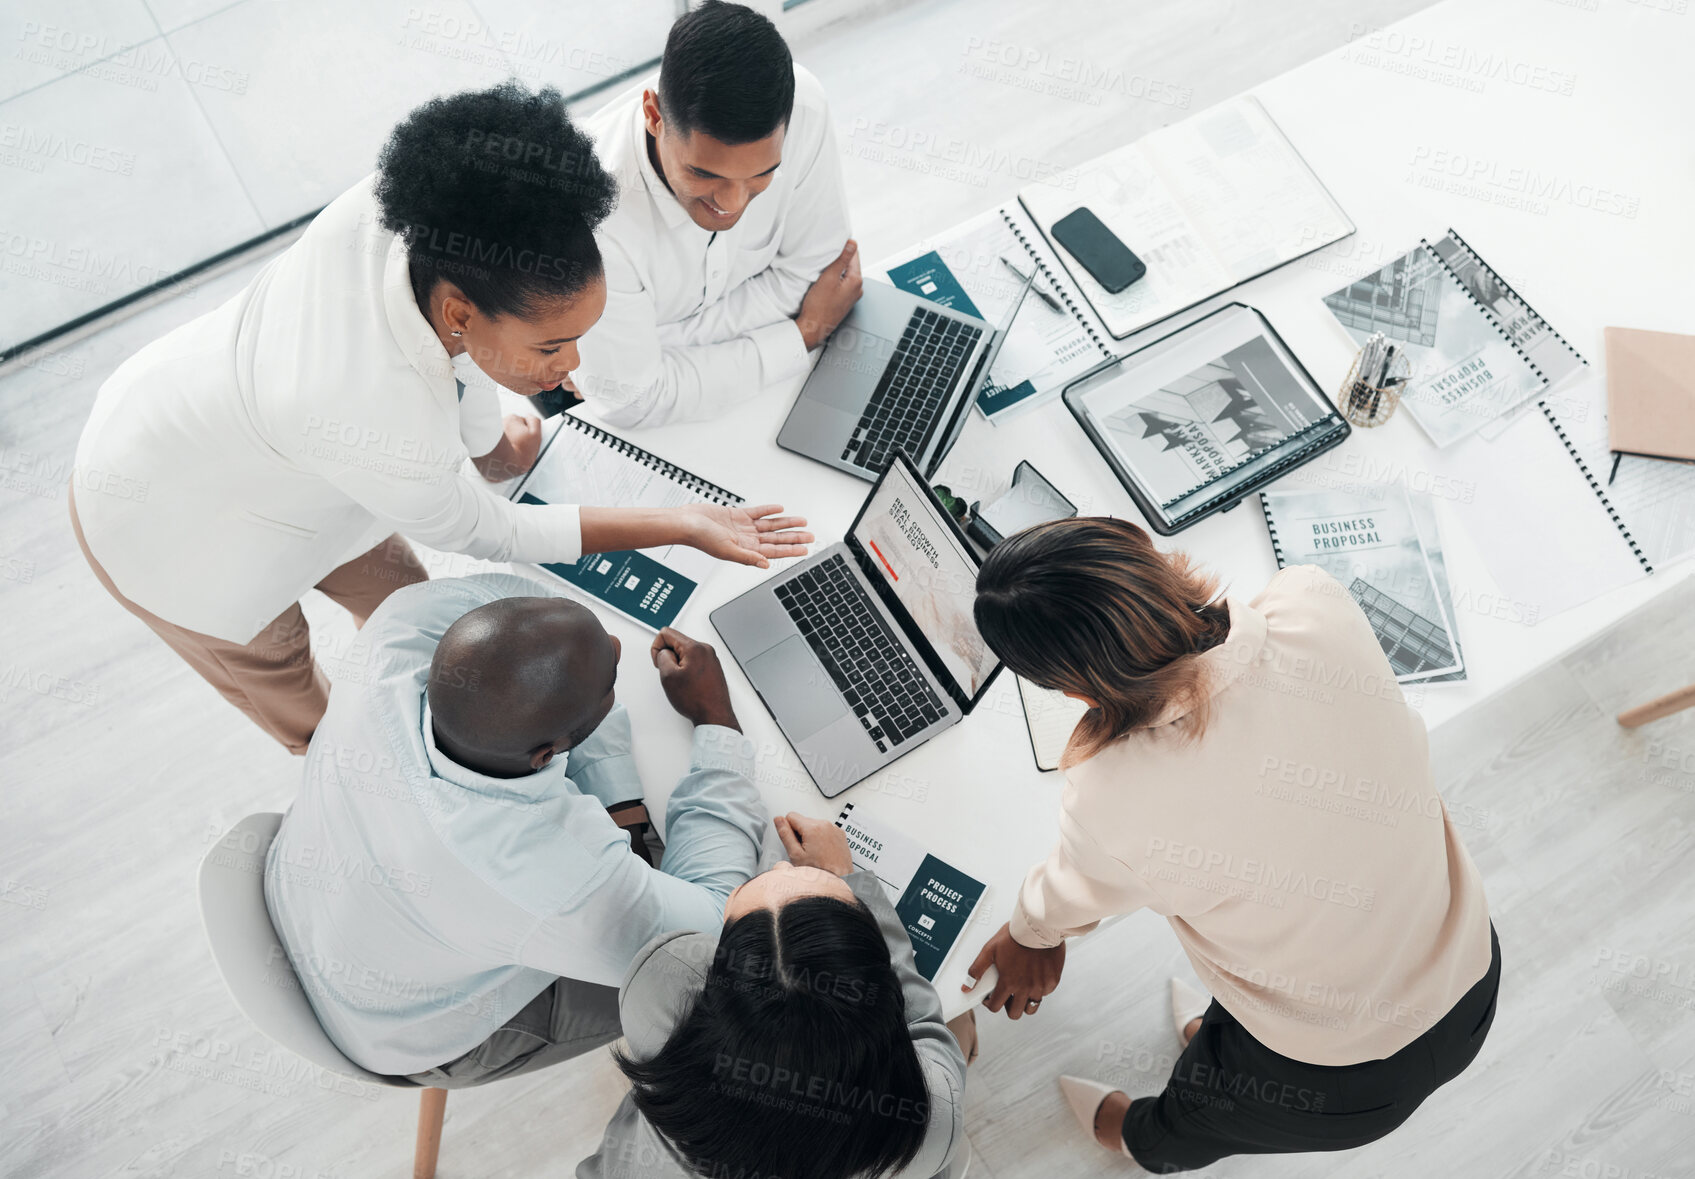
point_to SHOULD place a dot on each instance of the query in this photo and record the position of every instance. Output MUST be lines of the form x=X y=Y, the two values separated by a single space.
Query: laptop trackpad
x=850 y=368
x=796 y=688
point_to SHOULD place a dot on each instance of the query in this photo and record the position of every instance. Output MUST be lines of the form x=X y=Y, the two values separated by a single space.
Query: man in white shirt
x=449 y=886
x=728 y=257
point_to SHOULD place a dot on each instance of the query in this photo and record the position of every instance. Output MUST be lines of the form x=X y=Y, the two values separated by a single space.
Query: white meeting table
x=1570 y=92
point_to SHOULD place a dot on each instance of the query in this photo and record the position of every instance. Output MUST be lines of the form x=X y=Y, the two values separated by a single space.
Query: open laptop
x=900 y=372
x=867 y=649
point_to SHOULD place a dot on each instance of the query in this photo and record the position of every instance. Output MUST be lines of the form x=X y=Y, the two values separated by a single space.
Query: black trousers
x=1230 y=1094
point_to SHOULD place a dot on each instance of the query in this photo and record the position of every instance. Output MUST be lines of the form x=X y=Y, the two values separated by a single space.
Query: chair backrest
x=251 y=960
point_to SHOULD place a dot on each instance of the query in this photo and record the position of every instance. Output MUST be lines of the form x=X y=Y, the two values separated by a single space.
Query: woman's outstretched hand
x=747 y=535
x=1026 y=975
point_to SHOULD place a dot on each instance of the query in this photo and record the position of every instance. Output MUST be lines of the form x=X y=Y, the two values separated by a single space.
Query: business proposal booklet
x=1430 y=535
x=1477 y=351
x=586 y=465
x=933 y=899
x=1367 y=537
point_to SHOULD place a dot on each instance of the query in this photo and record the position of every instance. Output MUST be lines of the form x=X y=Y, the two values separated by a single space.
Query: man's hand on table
x=1025 y=975
x=814 y=843
x=693 y=679
x=831 y=296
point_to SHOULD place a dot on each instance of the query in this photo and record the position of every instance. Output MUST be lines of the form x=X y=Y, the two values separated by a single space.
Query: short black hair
x=795 y=1058
x=727 y=72
x=497 y=191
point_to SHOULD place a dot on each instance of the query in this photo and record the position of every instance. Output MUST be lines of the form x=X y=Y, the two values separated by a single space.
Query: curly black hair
x=498 y=192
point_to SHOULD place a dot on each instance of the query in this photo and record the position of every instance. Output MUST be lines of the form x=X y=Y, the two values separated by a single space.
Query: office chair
x=1671 y=702
x=262 y=981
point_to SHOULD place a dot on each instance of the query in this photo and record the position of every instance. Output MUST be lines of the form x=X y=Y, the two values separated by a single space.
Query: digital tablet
x=1198 y=419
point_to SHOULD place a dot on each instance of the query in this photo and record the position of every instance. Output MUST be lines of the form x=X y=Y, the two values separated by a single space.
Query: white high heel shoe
x=1084 y=1097
x=1187 y=1004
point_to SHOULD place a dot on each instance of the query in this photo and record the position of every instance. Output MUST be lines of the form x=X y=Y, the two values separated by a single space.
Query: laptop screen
x=914 y=550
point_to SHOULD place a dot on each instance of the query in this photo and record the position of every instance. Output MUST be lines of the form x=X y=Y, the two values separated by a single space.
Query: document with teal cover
x=586 y=465
x=929 y=276
x=933 y=899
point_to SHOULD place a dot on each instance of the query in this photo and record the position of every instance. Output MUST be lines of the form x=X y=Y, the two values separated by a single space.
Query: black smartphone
x=551 y=402
x=1098 y=249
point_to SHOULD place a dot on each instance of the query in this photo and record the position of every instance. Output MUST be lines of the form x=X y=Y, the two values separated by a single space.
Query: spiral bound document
x=1575 y=450
x=582 y=464
x=1657 y=501
x=1017 y=221
x=976 y=267
x=1477 y=351
x=1546 y=549
x=1543 y=348
x=1207 y=203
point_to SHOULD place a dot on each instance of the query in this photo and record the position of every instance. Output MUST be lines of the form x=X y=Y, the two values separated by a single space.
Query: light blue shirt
x=424 y=904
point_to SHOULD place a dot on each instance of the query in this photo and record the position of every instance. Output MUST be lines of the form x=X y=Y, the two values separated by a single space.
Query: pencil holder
x=1365 y=404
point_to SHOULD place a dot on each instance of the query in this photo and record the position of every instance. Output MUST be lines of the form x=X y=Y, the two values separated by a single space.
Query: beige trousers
x=273 y=678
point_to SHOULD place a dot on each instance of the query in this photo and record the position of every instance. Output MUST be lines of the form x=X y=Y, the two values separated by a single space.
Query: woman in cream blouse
x=1250 y=771
x=289 y=438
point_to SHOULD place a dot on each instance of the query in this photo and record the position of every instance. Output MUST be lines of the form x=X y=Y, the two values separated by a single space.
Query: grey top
x=672 y=969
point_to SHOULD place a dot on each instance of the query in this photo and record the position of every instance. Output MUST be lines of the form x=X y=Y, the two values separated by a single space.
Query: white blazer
x=231 y=464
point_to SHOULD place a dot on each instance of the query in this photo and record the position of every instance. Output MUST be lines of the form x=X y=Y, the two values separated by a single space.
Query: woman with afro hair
x=291 y=438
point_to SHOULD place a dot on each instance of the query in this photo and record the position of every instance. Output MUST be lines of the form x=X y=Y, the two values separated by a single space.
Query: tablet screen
x=1203 y=411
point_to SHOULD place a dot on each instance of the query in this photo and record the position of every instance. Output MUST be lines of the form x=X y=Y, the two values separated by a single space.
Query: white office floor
x=116 y=115
x=121 y=1055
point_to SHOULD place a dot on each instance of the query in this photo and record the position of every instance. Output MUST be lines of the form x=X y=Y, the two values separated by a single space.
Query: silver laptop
x=901 y=373
x=867 y=649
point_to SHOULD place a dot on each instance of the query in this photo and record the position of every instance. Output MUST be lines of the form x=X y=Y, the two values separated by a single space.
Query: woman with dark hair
x=800 y=1041
x=1250 y=771
x=290 y=438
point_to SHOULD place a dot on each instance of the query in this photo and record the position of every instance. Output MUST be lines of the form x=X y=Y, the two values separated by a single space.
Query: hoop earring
x=458 y=333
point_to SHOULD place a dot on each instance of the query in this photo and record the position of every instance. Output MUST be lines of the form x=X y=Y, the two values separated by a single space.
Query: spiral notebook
x=976 y=268
x=1549 y=460
x=580 y=463
x=1208 y=203
x=1652 y=506
x=1477 y=351
x=1198 y=419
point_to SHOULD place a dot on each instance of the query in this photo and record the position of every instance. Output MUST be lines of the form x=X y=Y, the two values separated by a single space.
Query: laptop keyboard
x=872 y=669
x=904 y=407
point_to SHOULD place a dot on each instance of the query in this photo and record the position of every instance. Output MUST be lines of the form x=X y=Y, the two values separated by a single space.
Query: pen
x=1022 y=277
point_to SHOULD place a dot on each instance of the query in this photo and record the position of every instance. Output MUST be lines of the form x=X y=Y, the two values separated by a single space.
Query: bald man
x=455 y=898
